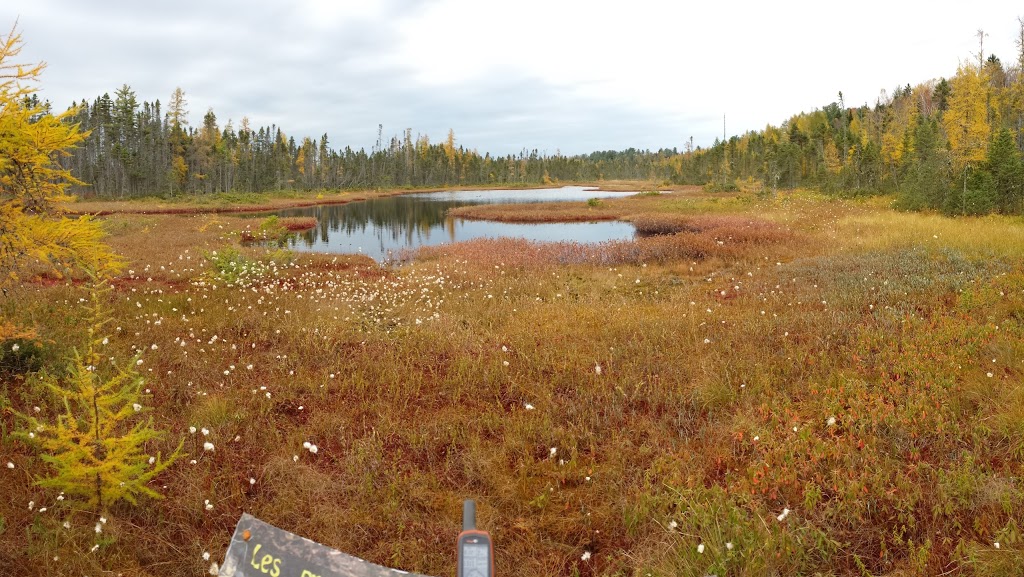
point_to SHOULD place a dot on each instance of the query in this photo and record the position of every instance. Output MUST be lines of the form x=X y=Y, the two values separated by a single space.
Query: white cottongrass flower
x=252 y=480
x=214 y=569
x=204 y=431
x=10 y=465
x=137 y=407
x=15 y=347
x=192 y=430
x=597 y=368
x=528 y=406
x=554 y=451
x=206 y=555
x=831 y=421
x=996 y=544
x=31 y=505
x=152 y=460
x=585 y=556
x=782 y=516
x=98 y=528
x=700 y=548
x=672 y=524
x=138 y=362
x=728 y=545
x=207 y=505
x=313 y=449
x=208 y=446
x=305 y=444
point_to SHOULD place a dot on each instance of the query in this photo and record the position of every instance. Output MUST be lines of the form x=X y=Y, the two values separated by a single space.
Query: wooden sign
x=261 y=550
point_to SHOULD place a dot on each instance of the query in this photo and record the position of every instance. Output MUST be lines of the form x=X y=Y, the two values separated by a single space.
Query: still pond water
x=381 y=228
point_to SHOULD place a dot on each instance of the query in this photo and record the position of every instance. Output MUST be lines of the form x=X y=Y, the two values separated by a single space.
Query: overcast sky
x=553 y=75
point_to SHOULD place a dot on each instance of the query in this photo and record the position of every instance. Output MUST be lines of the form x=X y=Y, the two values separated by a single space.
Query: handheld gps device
x=475 y=548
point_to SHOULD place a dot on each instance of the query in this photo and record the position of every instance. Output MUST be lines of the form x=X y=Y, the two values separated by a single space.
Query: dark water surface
x=382 y=227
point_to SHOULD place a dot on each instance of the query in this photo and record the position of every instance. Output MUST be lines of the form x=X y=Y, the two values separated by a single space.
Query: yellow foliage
x=449 y=146
x=300 y=161
x=32 y=183
x=97 y=448
x=10 y=331
x=894 y=140
x=857 y=130
x=832 y=162
x=966 y=118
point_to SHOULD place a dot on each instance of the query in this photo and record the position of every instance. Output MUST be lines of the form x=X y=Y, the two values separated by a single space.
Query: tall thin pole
x=725 y=155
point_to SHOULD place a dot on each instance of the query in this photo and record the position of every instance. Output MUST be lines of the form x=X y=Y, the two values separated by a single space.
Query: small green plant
x=594 y=202
x=19 y=356
x=271 y=227
x=95 y=447
x=729 y=186
x=233 y=268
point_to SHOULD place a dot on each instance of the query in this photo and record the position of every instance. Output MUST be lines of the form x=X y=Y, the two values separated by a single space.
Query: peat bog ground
x=756 y=386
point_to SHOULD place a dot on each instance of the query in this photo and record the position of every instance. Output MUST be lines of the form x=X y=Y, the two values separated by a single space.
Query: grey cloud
x=267 y=62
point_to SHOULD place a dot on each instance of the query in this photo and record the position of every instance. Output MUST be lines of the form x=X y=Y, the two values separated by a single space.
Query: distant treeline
x=952 y=145
x=138 y=149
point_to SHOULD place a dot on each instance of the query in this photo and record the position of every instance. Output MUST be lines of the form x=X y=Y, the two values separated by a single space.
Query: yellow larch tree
x=901 y=118
x=32 y=183
x=966 y=119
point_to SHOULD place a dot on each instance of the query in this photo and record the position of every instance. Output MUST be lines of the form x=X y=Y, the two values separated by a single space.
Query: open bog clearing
x=790 y=385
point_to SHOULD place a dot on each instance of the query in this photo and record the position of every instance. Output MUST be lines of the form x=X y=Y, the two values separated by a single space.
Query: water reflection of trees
x=399 y=219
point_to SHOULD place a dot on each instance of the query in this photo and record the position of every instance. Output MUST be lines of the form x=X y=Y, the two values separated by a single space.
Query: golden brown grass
x=630 y=400
x=538 y=212
x=221 y=203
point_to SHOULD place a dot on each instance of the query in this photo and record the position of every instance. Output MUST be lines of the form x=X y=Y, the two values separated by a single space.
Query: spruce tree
x=926 y=185
x=1004 y=165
